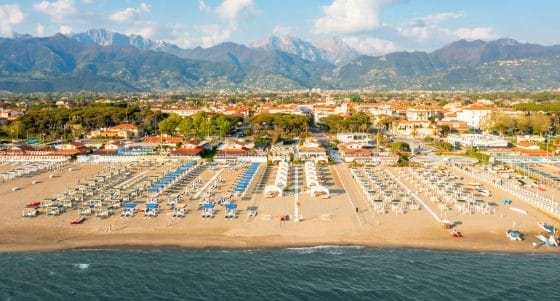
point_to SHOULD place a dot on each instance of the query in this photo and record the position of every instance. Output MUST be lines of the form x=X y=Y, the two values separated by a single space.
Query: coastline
x=270 y=243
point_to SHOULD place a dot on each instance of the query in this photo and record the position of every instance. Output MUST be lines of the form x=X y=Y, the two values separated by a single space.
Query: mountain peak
x=336 y=50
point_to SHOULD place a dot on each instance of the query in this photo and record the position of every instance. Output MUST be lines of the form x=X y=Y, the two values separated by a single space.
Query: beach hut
x=129 y=209
x=103 y=212
x=179 y=211
x=319 y=190
x=272 y=191
x=231 y=210
x=208 y=210
x=151 y=209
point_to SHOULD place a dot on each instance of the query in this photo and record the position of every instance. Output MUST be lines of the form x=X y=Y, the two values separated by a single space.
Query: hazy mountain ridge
x=132 y=63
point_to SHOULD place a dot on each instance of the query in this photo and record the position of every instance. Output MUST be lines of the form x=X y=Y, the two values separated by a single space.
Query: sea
x=318 y=273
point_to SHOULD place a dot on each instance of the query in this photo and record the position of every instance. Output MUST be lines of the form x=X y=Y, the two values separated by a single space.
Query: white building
x=363 y=139
x=478 y=140
x=473 y=114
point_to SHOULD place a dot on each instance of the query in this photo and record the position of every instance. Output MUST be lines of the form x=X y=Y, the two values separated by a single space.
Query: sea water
x=321 y=273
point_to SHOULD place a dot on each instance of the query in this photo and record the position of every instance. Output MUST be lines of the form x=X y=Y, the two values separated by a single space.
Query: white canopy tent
x=272 y=190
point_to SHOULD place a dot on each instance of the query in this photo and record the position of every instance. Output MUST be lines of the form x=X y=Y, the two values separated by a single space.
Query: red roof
x=67 y=152
x=188 y=151
x=105 y=152
x=158 y=139
x=531 y=152
x=124 y=126
x=233 y=152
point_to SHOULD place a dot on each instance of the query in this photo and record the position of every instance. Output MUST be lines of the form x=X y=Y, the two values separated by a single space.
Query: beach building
x=364 y=139
x=164 y=139
x=353 y=151
x=477 y=140
x=10 y=114
x=312 y=150
x=72 y=148
x=190 y=148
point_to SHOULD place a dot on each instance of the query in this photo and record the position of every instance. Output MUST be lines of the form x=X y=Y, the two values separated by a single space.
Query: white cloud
x=130 y=13
x=199 y=35
x=203 y=7
x=10 y=15
x=282 y=30
x=58 y=10
x=350 y=16
x=40 y=29
x=434 y=20
x=231 y=10
x=433 y=31
x=87 y=1
x=370 y=45
x=65 y=29
x=429 y=27
x=478 y=33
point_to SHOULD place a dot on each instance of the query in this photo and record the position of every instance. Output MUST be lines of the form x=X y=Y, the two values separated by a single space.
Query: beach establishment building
x=311 y=150
x=477 y=140
x=364 y=139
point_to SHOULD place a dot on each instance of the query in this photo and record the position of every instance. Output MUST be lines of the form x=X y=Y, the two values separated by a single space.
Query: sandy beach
x=331 y=221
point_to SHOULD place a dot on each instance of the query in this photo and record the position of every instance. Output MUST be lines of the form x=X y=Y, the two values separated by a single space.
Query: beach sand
x=332 y=221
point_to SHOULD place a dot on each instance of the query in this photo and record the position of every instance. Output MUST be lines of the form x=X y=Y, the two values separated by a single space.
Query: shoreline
x=234 y=245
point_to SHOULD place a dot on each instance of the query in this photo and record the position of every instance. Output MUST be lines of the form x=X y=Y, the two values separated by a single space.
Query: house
x=421 y=113
x=124 y=131
x=110 y=148
x=233 y=149
x=190 y=148
x=72 y=148
x=414 y=128
x=10 y=114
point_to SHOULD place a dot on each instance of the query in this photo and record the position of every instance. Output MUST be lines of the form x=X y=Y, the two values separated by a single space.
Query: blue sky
x=370 y=26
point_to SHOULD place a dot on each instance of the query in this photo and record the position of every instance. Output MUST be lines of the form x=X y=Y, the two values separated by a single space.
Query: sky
x=370 y=26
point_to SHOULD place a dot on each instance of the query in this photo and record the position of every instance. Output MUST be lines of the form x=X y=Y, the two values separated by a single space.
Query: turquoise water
x=325 y=273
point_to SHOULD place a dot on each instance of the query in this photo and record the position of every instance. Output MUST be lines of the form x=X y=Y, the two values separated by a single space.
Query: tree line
x=199 y=125
x=506 y=124
x=53 y=123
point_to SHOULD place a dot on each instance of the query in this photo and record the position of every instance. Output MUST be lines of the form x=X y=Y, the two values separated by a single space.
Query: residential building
x=473 y=114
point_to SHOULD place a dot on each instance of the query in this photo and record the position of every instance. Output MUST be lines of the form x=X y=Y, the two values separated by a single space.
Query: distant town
x=362 y=127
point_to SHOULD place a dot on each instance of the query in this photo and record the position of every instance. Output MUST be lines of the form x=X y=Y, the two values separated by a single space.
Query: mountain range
x=100 y=60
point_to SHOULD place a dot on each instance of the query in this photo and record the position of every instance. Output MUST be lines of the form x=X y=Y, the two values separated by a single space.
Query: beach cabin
x=179 y=211
x=103 y=212
x=129 y=209
x=231 y=210
x=271 y=191
x=30 y=212
x=208 y=210
x=85 y=211
x=151 y=209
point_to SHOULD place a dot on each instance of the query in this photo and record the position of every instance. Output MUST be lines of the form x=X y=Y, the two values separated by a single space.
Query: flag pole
x=296 y=196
